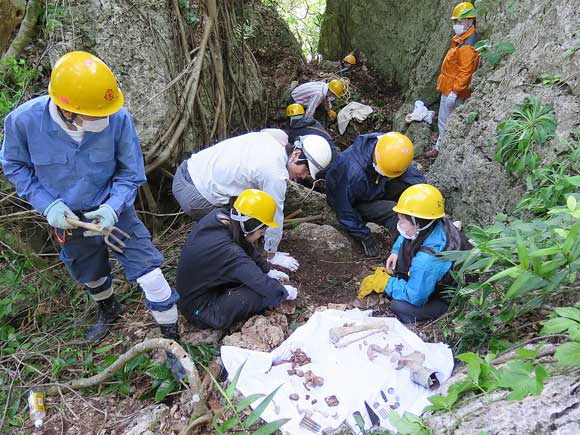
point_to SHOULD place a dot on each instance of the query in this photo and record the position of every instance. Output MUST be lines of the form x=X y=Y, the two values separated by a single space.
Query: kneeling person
x=221 y=277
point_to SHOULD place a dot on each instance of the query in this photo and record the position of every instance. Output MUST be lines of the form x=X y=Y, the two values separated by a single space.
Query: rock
x=262 y=333
x=147 y=420
x=310 y=201
x=202 y=336
x=323 y=240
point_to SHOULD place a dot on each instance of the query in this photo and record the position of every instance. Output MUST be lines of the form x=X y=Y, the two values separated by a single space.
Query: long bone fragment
x=420 y=374
x=338 y=333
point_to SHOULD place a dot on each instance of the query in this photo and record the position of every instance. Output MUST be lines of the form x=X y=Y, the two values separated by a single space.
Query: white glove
x=277 y=274
x=284 y=260
x=292 y=292
x=452 y=97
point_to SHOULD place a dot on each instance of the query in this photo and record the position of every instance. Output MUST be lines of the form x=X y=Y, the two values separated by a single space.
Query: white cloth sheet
x=420 y=113
x=352 y=110
x=348 y=373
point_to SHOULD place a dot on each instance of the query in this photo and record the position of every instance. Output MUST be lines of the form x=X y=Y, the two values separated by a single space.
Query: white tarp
x=352 y=110
x=348 y=373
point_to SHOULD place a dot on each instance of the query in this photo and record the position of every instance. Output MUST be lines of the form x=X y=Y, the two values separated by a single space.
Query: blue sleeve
x=18 y=168
x=397 y=245
x=130 y=173
x=341 y=197
x=413 y=176
x=426 y=271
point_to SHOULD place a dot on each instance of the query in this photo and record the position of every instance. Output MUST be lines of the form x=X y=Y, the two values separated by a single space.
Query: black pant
x=231 y=305
x=409 y=313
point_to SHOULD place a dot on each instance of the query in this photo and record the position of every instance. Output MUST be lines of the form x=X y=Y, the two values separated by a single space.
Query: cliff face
x=407 y=44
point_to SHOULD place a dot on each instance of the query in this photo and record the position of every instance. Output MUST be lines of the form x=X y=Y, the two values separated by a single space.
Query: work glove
x=279 y=275
x=370 y=246
x=283 y=259
x=292 y=292
x=331 y=115
x=55 y=215
x=391 y=263
x=104 y=216
x=452 y=97
x=377 y=282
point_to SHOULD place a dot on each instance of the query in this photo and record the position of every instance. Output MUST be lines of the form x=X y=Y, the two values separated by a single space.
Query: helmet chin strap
x=241 y=218
x=69 y=120
x=421 y=229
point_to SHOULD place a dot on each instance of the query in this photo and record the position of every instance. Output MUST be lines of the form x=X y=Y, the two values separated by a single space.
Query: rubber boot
x=108 y=310
x=172 y=332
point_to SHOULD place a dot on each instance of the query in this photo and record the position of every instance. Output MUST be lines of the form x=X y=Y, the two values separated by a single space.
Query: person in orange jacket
x=458 y=67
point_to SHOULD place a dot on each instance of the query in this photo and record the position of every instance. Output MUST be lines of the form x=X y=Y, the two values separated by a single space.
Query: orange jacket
x=459 y=65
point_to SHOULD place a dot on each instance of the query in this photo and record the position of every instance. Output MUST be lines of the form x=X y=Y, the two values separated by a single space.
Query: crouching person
x=221 y=277
x=418 y=275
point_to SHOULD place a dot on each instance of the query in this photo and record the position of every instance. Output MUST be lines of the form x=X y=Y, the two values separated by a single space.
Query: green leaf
x=557 y=325
x=166 y=387
x=527 y=281
x=405 y=425
x=229 y=423
x=522 y=379
x=104 y=349
x=568 y=312
x=248 y=401
x=574 y=333
x=522 y=252
x=232 y=387
x=473 y=362
x=568 y=354
x=254 y=416
x=272 y=427
x=571 y=203
x=159 y=371
x=527 y=354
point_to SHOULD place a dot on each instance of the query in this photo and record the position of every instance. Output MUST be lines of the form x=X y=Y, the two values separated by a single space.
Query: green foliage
x=53 y=16
x=547 y=187
x=494 y=53
x=304 y=19
x=472 y=117
x=230 y=417
x=12 y=90
x=521 y=377
x=528 y=126
x=409 y=424
x=189 y=13
x=551 y=80
x=520 y=265
x=481 y=7
x=571 y=52
x=565 y=320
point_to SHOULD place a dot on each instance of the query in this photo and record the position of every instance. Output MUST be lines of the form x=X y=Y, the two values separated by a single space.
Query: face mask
x=404 y=234
x=95 y=126
x=458 y=29
x=378 y=169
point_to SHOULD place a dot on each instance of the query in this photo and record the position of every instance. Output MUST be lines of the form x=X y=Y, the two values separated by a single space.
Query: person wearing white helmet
x=213 y=177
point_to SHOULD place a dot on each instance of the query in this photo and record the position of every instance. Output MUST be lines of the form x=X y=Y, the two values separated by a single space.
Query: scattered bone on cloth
x=352 y=110
x=348 y=372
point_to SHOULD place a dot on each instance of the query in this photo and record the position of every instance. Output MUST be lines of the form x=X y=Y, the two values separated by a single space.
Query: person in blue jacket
x=365 y=182
x=417 y=273
x=299 y=125
x=221 y=277
x=74 y=153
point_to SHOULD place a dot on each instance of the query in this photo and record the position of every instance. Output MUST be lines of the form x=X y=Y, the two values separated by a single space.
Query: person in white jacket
x=261 y=160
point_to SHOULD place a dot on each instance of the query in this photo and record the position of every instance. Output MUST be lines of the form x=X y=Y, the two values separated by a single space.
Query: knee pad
x=100 y=289
x=155 y=286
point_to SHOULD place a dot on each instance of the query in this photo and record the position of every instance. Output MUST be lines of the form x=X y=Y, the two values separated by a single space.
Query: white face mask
x=404 y=234
x=458 y=29
x=95 y=126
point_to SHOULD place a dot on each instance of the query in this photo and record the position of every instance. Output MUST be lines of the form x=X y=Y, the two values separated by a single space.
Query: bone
x=340 y=332
x=420 y=374
x=346 y=343
x=375 y=349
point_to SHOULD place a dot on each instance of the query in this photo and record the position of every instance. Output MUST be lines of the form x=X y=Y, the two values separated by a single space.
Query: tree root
x=200 y=408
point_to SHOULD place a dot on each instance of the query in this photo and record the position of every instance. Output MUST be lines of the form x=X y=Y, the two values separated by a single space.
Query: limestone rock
x=323 y=240
x=147 y=420
x=262 y=333
x=310 y=201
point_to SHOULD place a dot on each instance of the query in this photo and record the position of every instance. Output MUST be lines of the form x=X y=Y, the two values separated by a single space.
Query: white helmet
x=317 y=151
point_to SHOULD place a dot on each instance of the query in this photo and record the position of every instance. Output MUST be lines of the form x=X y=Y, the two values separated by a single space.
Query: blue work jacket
x=352 y=179
x=425 y=272
x=45 y=163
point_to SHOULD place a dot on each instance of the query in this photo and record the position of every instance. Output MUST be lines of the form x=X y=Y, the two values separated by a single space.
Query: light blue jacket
x=425 y=272
x=45 y=163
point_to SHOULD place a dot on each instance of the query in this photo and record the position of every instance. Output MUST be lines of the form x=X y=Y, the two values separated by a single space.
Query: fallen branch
x=290 y=222
x=200 y=407
x=293 y=214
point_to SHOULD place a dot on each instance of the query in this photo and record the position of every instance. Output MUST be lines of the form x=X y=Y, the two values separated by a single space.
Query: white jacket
x=249 y=161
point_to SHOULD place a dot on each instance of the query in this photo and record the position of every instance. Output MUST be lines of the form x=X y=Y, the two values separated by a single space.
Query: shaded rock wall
x=11 y=14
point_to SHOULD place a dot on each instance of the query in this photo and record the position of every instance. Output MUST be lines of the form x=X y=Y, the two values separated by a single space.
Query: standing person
x=75 y=153
x=458 y=67
x=418 y=275
x=365 y=182
x=311 y=94
x=300 y=125
x=262 y=160
x=221 y=277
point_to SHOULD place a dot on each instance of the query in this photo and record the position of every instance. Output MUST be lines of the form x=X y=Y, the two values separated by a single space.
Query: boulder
x=262 y=333
x=310 y=201
x=323 y=240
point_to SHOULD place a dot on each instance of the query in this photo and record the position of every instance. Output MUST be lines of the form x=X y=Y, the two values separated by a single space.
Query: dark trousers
x=229 y=306
x=408 y=313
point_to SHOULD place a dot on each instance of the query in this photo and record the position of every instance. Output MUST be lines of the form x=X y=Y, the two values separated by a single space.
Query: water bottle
x=36 y=406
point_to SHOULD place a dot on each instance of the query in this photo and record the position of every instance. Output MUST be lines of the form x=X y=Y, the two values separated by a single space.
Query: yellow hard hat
x=350 y=59
x=294 y=110
x=421 y=200
x=393 y=154
x=82 y=83
x=336 y=87
x=257 y=204
x=460 y=8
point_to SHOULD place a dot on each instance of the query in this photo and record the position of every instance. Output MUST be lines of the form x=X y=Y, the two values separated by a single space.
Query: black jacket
x=211 y=263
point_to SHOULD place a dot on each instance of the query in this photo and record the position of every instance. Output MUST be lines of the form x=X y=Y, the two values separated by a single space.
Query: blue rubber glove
x=55 y=215
x=104 y=215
